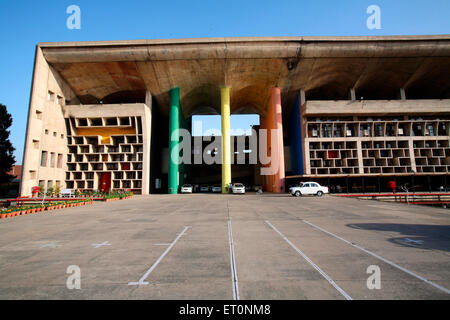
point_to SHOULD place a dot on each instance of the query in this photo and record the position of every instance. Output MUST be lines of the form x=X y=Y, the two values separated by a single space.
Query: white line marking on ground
x=142 y=279
x=162 y=244
x=311 y=263
x=50 y=245
x=234 y=277
x=408 y=240
x=96 y=246
x=378 y=206
x=380 y=258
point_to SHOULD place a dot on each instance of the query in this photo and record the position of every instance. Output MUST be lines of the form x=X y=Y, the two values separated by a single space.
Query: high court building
x=351 y=112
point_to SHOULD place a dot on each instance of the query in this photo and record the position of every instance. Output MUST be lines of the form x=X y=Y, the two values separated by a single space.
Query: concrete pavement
x=282 y=247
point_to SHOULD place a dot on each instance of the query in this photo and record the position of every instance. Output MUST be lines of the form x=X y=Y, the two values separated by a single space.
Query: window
x=39 y=114
x=50 y=96
x=82 y=122
x=124 y=121
x=62 y=136
x=46 y=131
x=52 y=159
x=44 y=159
x=60 y=159
x=54 y=133
x=49 y=184
x=42 y=184
x=96 y=122
x=111 y=121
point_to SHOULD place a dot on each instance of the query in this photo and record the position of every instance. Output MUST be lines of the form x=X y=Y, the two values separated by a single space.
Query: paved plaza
x=207 y=246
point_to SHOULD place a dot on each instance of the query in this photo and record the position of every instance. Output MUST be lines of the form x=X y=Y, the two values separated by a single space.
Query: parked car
x=216 y=188
x=238 y=188
x=186 y=188
x=204 y=188
x=67 y=193
x=308 y=188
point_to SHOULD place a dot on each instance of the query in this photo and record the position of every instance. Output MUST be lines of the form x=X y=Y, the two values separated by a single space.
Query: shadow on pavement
x=413 y=235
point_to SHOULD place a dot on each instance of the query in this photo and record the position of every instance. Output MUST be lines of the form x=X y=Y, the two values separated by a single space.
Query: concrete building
x=352 y=112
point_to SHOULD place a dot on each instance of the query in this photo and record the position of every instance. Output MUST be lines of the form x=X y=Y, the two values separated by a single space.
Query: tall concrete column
x=263 y=126
x=147 y=139
x=226 y=151
x=352 y=94
x=276 y=122
x=402 y=94
x=295 y=137
x=174 y=138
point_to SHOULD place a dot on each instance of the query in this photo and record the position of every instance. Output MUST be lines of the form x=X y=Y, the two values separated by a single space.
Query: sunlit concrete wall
x=46 y=126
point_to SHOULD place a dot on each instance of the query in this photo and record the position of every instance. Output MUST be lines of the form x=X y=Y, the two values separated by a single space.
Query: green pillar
x=174 y=124
x=182 y=166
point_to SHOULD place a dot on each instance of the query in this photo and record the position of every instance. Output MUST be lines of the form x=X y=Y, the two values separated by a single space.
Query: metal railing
x=404 y=197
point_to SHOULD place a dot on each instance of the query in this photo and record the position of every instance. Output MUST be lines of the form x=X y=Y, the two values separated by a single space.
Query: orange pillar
x=275 y=121
x=269 y=127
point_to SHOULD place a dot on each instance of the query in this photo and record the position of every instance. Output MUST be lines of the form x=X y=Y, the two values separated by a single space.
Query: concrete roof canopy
x=325 y=67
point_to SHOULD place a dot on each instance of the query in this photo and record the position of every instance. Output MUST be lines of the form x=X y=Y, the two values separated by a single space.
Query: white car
x=67 y=193
x=186 y=188
x=216 y=188
x=308 y=188
x=238 y=188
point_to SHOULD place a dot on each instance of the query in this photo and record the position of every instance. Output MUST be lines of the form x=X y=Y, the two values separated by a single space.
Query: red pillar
x=275 y=121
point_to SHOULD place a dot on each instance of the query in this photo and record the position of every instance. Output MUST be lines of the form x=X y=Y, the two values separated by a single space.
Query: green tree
x=7 y=158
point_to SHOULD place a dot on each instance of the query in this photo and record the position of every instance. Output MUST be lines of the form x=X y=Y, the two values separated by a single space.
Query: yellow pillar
x=226 y=151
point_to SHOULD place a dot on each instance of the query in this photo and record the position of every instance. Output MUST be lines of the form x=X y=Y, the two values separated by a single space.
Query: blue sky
x=25 y=23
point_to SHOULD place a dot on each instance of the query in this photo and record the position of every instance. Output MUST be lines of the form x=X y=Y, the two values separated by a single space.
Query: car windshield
x=187 y=186
x=238 y=185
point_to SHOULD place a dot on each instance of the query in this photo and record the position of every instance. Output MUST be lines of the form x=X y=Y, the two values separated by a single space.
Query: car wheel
x=297 y=193
x=319 y=193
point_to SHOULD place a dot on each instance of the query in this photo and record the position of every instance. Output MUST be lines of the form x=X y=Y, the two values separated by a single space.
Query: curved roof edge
x=244 y=39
